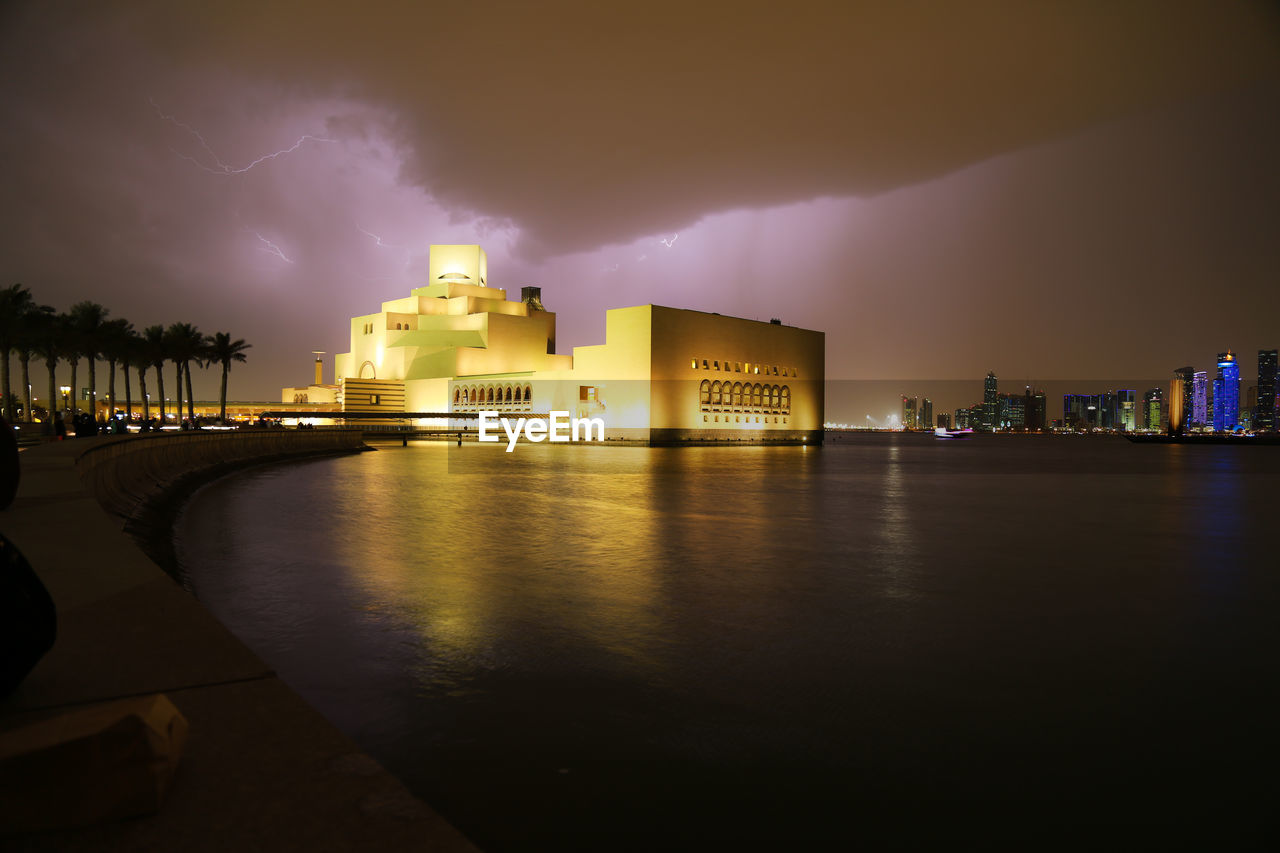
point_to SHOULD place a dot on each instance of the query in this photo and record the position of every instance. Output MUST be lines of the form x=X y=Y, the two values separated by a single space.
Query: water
x=893 y=637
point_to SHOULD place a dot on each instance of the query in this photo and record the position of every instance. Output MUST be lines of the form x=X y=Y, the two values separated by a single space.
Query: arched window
x=704 y=392
x=755 y=395
x=528 y=393
x=715 y=393
x=775 y=397
x=456 y=395
x=373 y=373
x=508 y=394
x=737 y=395
x=786 y=398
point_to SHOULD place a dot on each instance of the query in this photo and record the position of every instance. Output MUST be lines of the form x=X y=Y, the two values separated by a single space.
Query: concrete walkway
x=262 y=769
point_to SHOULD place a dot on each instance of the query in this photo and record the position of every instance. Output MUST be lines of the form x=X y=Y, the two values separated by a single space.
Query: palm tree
x=221 y=349
x=15 y=305
x=184 y=343
x=140 y=357
x=49 y=330
x=27 y=345
x=89 y=319
x=117 y=335
x=69 y=342
x=155 y=353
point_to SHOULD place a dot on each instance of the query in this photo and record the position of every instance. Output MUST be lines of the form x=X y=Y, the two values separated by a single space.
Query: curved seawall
x=261 y=768
x=126 y=475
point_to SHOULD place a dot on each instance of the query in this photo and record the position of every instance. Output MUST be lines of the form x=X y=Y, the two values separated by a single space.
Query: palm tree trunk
x=160 y=391
x=4 y=381
x=111 y=388
x=52 y=364
x=177 y=395
x=191 y=398
x=74 y=404
x=93 y=387
x=128 y=398
x=142 y=390
x=222 y=404
x=25 y=358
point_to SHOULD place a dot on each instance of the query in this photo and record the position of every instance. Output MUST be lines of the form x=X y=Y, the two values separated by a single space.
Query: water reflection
x=590 y=638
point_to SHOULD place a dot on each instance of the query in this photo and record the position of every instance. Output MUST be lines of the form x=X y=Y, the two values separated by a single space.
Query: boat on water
x=942 y=432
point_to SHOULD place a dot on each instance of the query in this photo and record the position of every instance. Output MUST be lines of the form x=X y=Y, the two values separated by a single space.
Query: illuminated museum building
x=663 y=375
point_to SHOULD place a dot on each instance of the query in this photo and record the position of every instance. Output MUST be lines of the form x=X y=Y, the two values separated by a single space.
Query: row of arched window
x=743 y=367
x=744 y=396
x=475 y=395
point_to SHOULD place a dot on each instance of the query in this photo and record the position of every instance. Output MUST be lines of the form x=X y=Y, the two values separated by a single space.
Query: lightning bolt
x=221 y=168
x=376 y=238
x=669 y=243
x=271 y=248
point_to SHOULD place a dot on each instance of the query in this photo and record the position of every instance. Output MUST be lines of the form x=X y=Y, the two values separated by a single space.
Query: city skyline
x=1066 y=179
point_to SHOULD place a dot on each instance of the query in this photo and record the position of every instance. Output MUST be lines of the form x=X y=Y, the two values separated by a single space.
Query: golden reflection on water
x=446 y=550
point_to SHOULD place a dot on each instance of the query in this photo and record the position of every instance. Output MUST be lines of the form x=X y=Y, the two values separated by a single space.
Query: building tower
x=1152 y=402
x=1199 y=399
x=1180 y=400
x=908 y=412
x=926 y=413
x=1127 y=401
x=990 y=401
x=1226 y=393
x=1264 y=418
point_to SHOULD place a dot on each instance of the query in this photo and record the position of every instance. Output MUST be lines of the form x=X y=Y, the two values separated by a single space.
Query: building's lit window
x=693 y=363
x=587 y=393
x=715 y=393
x=717 y=365
x=704 y=419
x=737 y=367
x=704 y=364
x=373 y=399
x=775 y=370
x=704 y=392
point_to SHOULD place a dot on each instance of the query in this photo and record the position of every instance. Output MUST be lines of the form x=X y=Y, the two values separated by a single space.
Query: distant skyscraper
x=1181 y=403
x=926 y=413
x=1199 y=400
x=1034 y=409
x=944 y=420
x=1151 y=405
x=1226 y=393
x=990 y=402
x=962 y=419
x=1265 y=414
x=1107 y=411
x=909 y=413
x=1127 y=402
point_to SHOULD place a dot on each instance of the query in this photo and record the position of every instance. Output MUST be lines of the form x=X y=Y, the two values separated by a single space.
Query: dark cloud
x=908 y=174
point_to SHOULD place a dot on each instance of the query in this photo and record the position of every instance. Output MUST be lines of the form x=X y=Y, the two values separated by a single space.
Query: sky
x=1046 y=190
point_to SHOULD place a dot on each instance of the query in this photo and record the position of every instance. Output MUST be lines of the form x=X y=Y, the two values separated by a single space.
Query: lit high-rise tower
x=1152 y=402
x=1199 y=399
x=1264 y=418
x=990 y=401
x=1226 y=393
x=1127 y=401
x=1180 y=399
